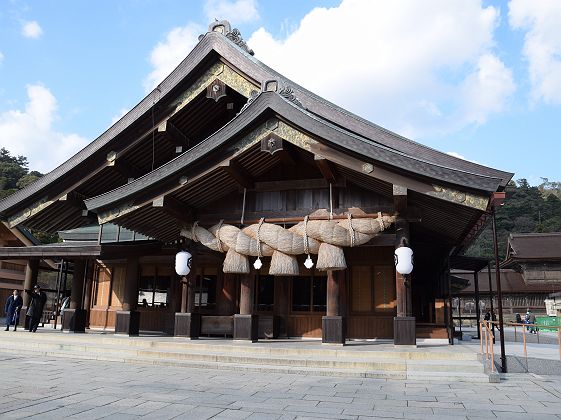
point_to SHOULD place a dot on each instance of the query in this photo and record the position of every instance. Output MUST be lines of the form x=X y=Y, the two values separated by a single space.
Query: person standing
x=12 y=308
x=532 y=322
x=36 y=305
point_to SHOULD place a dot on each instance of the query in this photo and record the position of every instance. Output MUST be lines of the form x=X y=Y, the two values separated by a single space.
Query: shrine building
x=290 y=208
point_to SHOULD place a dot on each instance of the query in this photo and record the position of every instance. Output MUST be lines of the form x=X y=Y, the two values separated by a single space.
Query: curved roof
x=307 y=122
x=222 y=45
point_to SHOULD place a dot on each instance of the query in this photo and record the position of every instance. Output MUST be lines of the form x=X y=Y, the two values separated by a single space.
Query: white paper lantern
x=403 y=257
x=308 y=263
x=183 y=263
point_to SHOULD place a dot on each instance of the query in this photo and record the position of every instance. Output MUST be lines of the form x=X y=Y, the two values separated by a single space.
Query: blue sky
x=479 y=79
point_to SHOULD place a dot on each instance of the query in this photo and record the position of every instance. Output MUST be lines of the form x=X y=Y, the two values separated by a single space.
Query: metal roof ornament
x=223 y=27
x=252 y=96
x=288 y=93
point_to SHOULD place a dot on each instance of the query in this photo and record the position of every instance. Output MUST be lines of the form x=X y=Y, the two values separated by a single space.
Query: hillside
x=527 y=209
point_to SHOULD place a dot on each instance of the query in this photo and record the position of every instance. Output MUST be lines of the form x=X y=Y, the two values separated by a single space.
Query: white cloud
x=166 y=55
x=31 y=29
x=1 y=57
x=30 y=132
x=418 y=68
x=542 y=45
x=239 y=11
x=484 y=91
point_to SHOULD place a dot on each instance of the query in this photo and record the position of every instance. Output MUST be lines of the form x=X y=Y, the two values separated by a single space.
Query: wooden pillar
x=246 y=323
x=128 y=320
x=76 y=293
x=225 y=303
x=74 y=318
x=333 y=324
x=188 y=321
x=477 y=309
x=31 y=274
x=281 y=306
x=246 y=294
x=184 y=294
x=88 y=290
x=404 y=322
x=333 y=303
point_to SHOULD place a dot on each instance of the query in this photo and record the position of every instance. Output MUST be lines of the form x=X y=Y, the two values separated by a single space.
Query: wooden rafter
x=326 y=168
x=174 y=208
x=238 y=173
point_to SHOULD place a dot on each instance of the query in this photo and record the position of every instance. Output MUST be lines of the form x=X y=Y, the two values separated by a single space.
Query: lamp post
x=187 y=323
x=404 y=322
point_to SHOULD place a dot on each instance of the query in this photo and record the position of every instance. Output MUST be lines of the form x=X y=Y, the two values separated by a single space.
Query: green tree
x=527 y=209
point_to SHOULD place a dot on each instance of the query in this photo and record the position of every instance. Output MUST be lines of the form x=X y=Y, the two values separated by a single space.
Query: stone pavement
x=45 y=388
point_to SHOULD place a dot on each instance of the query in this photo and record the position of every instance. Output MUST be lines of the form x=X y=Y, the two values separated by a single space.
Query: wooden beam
x=446 y=193
x=400 y=198
x=326 y=168
x=300 y=184
x=413 y=215
x=122 y=166
x=175 y=136
x=174 y=208
x=74 y=199
x=238 y=173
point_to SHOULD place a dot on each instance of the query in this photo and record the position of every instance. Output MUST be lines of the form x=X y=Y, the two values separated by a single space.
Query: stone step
x=301 y=370
x=352 y=362
x=261 y=348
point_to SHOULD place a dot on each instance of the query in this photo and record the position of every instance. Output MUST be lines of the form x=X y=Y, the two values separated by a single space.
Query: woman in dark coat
x=12 y=308
x=36 y=305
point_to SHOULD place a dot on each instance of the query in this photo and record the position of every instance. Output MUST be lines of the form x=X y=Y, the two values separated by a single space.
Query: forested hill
x=527 y=209
x=14 y=173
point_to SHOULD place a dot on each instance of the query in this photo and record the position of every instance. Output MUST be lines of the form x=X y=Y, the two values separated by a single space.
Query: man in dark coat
x=12 y=308
x=36 y=305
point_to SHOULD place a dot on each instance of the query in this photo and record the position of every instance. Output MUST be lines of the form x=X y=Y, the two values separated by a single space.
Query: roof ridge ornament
x=252 y=97
x=225 y=28
x=287 y=92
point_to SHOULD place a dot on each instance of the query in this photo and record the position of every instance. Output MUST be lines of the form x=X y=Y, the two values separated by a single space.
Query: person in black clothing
x=36 y=305
x=12 y=308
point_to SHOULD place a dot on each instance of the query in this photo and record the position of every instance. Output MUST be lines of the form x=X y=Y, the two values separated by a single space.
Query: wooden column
x=188 y=322
x=128 y=320
x=88 y=290
x=31 y=273
x=184 y=294
x=281 y=306
x=76 y=293
x=246 y=323
x=246 y=294
x=477 y=309
x=333 y=304
x=404 y=322
x=333 y=324
x=74 y=318
x=225 y=304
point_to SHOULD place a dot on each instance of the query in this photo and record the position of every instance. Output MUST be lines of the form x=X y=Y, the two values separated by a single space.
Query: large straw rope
x=267 y=239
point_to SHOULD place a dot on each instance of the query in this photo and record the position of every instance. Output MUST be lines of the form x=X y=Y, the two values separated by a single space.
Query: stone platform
x=430 y=360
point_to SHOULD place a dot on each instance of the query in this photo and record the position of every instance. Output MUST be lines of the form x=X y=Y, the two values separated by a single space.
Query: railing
x=487 y=338
x=536 y=328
